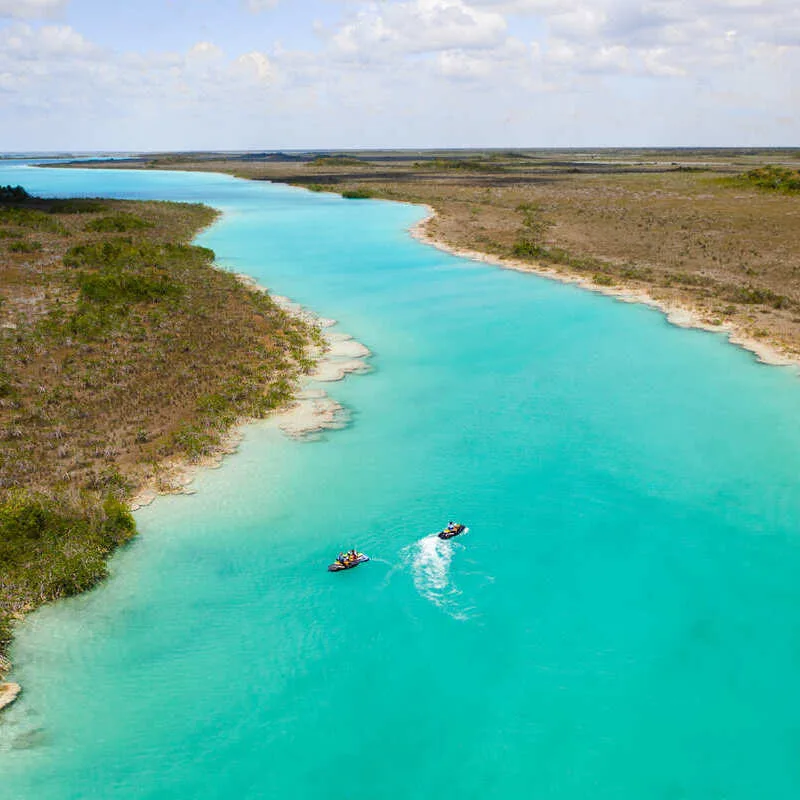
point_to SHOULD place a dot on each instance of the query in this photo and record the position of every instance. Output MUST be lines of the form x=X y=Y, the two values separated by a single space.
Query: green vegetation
x=462 y=164
x=120 y=222
x=752 y=295
x=54 y=545
x=335 y=161
x=357 y=194
x=118 y=287
x=527 y=248
x=25 y=247
x=122 y=348
x=556 y=256
x=77 y=205
x=770 y=178
x=31 y=219
x=13 y=194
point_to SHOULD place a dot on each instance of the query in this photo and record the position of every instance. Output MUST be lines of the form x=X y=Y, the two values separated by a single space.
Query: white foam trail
x=431 y=565
x=429 y=560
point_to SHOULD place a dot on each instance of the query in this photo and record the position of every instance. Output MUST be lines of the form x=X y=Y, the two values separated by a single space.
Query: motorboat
x=453 y=529
x=347 y=561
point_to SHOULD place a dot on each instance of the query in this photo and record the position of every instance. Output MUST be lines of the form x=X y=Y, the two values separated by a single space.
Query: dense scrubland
x=712 y=230
x=123 y=352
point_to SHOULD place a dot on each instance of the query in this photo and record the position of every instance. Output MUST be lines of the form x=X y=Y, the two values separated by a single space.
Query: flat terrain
x=123 y=352
x=678 y=224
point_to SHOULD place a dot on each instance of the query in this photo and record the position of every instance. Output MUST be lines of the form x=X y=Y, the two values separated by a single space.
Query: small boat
x=453 y=529
x=347 y=561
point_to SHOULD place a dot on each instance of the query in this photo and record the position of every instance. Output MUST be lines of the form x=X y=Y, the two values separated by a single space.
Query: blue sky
x=268 y=74
x=179 y=24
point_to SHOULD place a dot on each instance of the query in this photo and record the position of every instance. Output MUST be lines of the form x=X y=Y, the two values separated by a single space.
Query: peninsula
x=124 y=355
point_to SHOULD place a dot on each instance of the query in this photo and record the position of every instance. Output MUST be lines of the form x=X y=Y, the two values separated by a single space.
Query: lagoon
x=622 y=621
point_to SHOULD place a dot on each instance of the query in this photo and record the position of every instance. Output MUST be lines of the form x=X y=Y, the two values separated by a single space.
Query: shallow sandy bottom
x=311 y=412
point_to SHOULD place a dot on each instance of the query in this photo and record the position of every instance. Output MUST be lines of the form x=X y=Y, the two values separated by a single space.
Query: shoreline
x=309 y=413
x=9 y=692
x=682 y=316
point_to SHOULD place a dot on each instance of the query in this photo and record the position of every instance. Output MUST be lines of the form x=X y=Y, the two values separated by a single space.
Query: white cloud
x=204 y=51
x=416 y=72
x=49 y=43
x=257 y=66
x=64 y=70
x=383 y=30
x=31 y=9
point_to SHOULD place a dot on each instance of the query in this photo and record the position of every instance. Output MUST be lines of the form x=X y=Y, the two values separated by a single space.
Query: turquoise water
x=622 y=622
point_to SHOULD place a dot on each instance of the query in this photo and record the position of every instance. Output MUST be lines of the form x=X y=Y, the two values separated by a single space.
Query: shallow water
x=622 y=621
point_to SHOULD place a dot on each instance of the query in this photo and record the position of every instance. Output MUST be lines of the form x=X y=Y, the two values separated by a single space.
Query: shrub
x=76 y=205
x=194 y=441
x=120 y=222
x=89 y=321
x=753 y=296
x=25 y=247
x=30 y=218
x=465 y=164
x=117 y=287
x=6 y=385
x=13 y=194
x=51 y=547
x=526 y=248
x=124 y=254
x=357 y=194
x=772 y=178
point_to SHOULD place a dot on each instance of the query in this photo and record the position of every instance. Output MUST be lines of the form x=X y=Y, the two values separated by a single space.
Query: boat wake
x=429 y=561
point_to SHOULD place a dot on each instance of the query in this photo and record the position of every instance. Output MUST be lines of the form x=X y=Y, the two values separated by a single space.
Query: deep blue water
x=622 y=622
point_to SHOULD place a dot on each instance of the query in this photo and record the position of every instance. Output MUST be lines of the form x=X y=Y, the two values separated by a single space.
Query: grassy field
x=122 y=350
x=712 y=230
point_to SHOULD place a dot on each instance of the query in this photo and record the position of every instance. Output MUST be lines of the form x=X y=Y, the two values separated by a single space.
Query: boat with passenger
x=453 y=529
x=348 y=560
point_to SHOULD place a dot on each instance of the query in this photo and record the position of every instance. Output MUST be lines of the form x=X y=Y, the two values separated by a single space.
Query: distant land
x=707 y=234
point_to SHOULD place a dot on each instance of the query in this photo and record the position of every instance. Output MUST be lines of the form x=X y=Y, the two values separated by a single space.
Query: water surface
x=622 y=622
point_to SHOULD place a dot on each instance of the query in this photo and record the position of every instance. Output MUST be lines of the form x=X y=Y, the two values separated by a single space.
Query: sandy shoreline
x=683 y=316
x=9 y=692
x=310 y=413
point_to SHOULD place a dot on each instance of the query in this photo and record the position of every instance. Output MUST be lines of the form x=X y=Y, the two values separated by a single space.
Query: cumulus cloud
x=54 y=67
x=421 y=26
x=51 y=43
x=256 y=66
x=429 y=71
x=31 y=9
